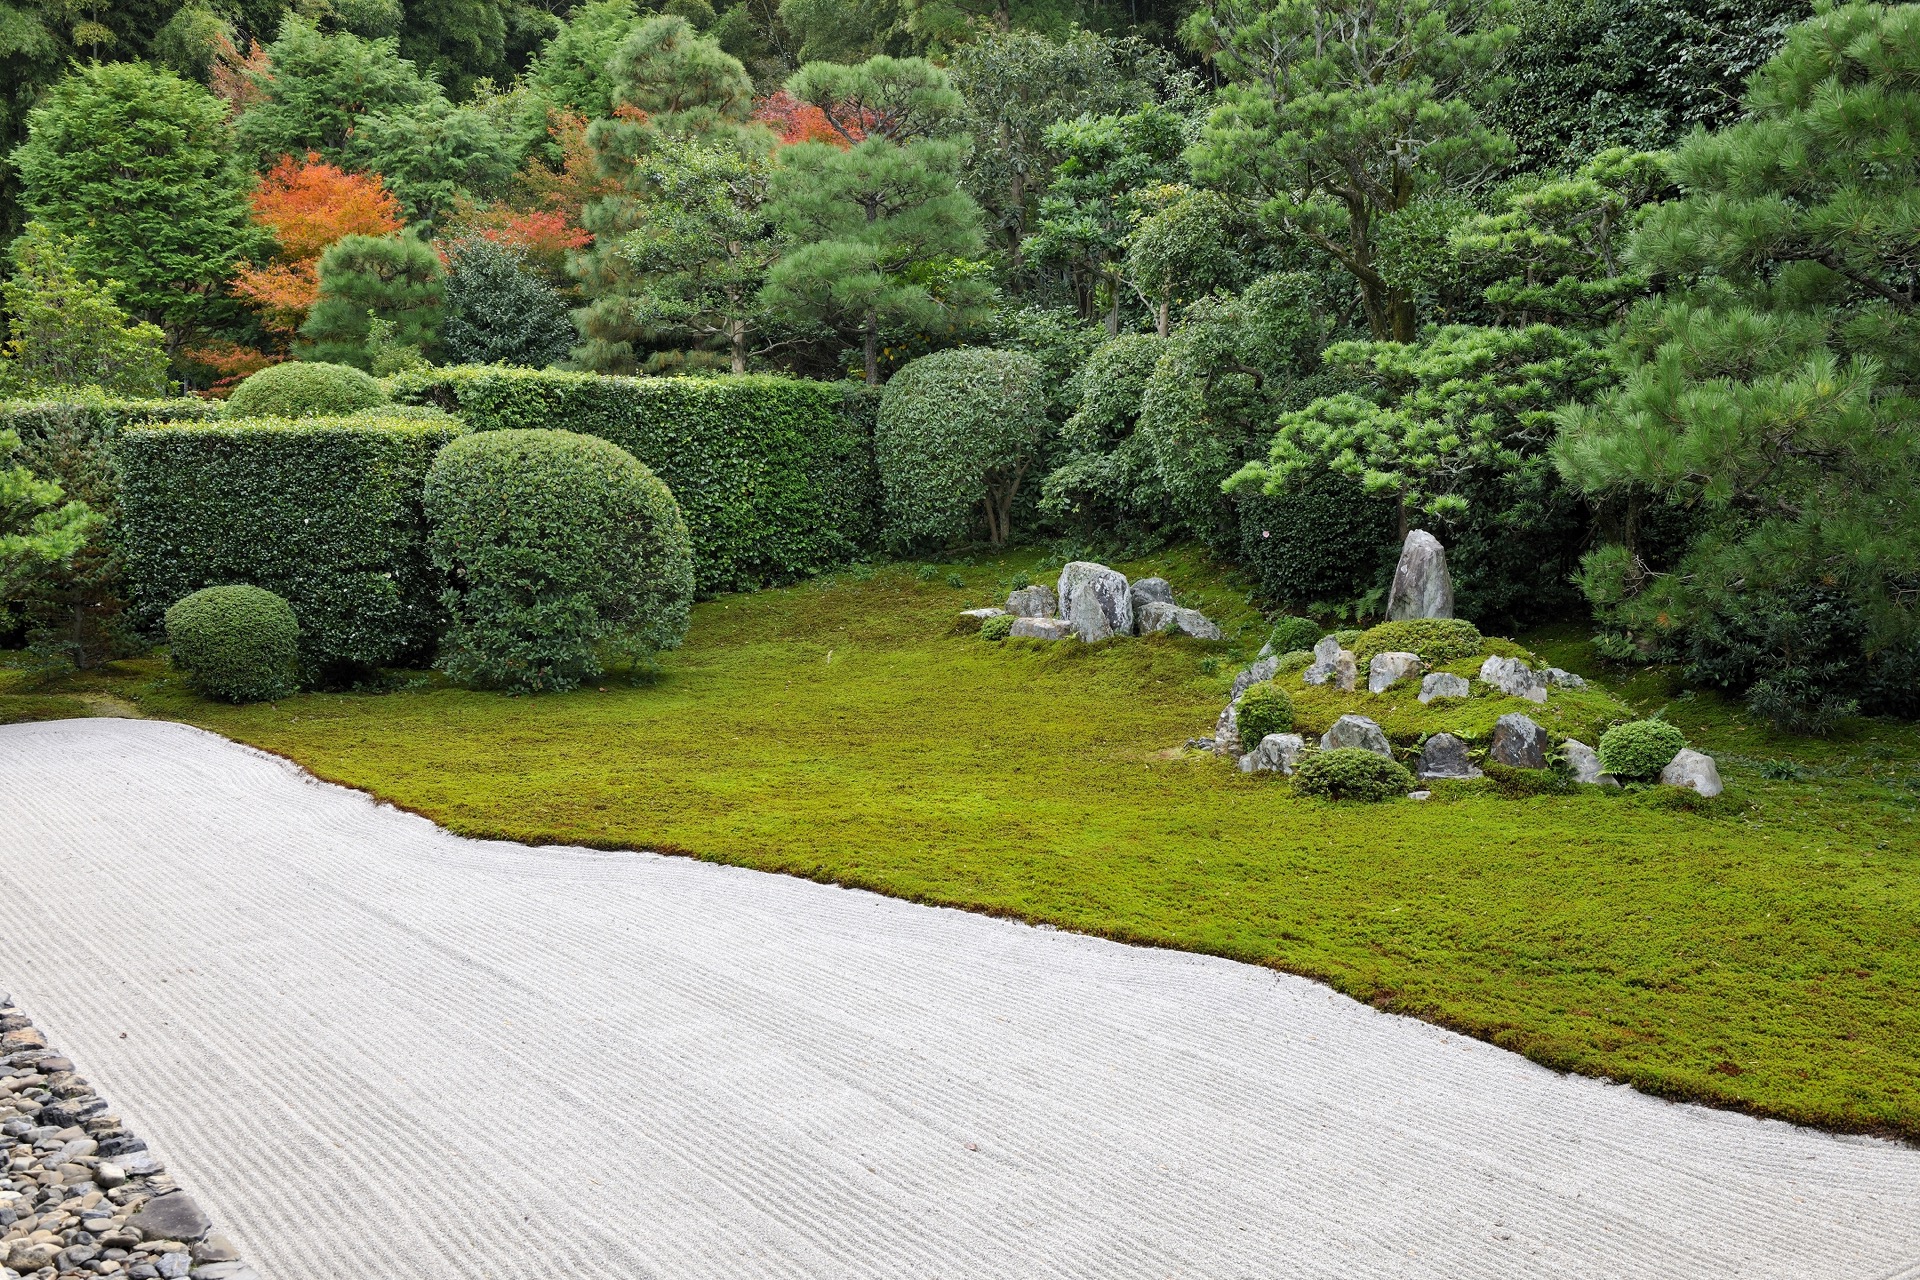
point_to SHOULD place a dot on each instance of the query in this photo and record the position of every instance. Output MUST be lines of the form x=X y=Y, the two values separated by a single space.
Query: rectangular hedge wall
x=325 y=512
x=775 y=475
x=71 y=441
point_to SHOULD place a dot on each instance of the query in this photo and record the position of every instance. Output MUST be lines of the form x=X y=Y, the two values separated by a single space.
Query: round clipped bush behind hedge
x=236 y=643
x=1290 y=633
x=305 y=389
x=1351 y=773
x=1264 y=708
x=1436 y=640
x=1638 y=750
x=559 y=550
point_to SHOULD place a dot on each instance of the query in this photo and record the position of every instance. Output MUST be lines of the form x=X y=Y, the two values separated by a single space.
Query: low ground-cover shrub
x=324 y=512
x=998 y=627
x=304 y=389
x=1264 y=708
x=774 y=476
x=236 y=643
x=1638 y=750
x=1436 y=640
x=556 y=549
x=1351 y=773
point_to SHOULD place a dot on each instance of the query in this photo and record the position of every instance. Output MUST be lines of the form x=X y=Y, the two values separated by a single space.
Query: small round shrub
x=304 y=389
x=997 y=628
x=559 y=551
x=236 y=643
x=1291 y=633
x=1351 y=773
x=1638 y=750
x=1436 y=640
x=1264 y=708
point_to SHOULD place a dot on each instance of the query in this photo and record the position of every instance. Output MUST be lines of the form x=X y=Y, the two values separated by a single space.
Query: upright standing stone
x=1445 y=756
x=1332 y=665
x=1519 y=742
x=1095 y=601
x=1422 y=587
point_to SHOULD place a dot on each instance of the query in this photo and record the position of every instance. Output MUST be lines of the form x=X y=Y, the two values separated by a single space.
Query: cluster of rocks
x=1096 y=603
x=80 y=1195
x=1333 y=665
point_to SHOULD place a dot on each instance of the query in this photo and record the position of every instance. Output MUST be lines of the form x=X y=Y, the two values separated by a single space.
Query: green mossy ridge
x=1759 y=951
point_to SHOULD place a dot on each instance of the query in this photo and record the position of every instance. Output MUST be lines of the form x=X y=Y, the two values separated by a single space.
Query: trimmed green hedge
x=71 y=441
x=305 y=389
x=775 y=475
x=323 y=512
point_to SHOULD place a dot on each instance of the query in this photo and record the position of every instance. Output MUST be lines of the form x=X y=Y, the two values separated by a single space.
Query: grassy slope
x=1764 y=954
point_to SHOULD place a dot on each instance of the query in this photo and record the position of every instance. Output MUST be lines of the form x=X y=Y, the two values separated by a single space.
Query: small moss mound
x=1264 y=708
x=1290 y=633
x=1298 y=660
x=236 y=643
x=997 y=628
x=1348 y=637
x=1351 y=773
x=1436 y=640
x=1518 y=784
x=1638 y=750
x=305 y=389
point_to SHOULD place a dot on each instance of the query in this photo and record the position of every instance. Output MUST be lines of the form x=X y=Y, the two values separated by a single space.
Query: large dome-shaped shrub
x=305 y=389
x=559 y=550
x=236 y=643
x=956 y=434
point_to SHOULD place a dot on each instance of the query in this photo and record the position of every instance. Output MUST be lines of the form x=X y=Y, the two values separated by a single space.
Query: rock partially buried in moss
x=1585 y=763
x=1444 y=684
x=1514 y=678
x=1388 y=669
x=1159 y=616
x=1694 y=770
x=1277 y=753
x=1332 y=665
x=973 y=619
x=1148 y=591
x=1033 y=602
x=1096 y=601
x=1445 y=756
x=1518 y=742
x=1356 y=731
x=1040 y=629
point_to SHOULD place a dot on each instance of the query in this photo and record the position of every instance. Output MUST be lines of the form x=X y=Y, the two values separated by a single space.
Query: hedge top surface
x=305 y=389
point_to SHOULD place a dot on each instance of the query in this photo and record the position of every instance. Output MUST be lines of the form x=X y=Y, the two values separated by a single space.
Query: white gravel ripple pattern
x=371 y=1048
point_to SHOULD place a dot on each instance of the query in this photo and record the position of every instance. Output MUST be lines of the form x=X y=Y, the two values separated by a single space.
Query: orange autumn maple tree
x=308 y=205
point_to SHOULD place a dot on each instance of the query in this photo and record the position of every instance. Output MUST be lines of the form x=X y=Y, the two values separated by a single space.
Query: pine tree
x=393 y=278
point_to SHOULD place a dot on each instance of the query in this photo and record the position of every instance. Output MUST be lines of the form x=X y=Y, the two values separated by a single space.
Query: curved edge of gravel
x=80 y=1196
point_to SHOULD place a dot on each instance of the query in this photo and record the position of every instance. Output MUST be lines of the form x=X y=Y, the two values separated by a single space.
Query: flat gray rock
x=1146 y=591
x=1445 y=756
x=1693 y=770
x=1036 y=601
x=1277 y=753
x=1422 y=587
x=173 y=1216
x=1356 y=731
x=1519 y=742
x=970 y=619
x=1041 y=628
x=1096 y=601
x=1564 y=679
x=1159 y=616
x=1444 y=684
x=1513 y=678
x=1388 y=669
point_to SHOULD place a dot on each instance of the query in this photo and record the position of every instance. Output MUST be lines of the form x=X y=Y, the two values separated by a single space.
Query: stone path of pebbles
x=80 y=1195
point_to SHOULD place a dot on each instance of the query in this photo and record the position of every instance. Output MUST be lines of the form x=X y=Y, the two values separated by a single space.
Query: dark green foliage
x=1436 y=640
x=393 y=278
x=997 y=628
x=304 y=389
x=958 y=431
x=558 y=551
x=236 y=643
x=457 y=41
x=1351 y=773
x=775 y=476
x=323 y=512
x=1264 y=708
x=1638 y=750
x=1322 y=540
x=499 y=310
x=1104 y=479
x=1292 y=634
x=1523 y=784
x=570 y=71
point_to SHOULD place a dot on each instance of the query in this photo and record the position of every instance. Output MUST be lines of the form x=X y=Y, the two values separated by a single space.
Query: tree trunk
x=1163 y=323
x=870 y=344
x=1113 y=308
x=739 y=345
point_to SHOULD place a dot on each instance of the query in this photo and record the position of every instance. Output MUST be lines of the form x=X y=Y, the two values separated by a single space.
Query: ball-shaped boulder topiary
x=1291 y=633
x=1436 y=640
x=1264 y=708
x=305 y=389
x=1351 y=773
x=560 y=551
x=236 y=643
x=1638 y=750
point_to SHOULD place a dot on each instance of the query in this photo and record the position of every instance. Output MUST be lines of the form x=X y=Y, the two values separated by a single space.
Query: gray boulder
x=1519 y=742
x=1565 y=679
x=1422 y=587
x=1096 y=601
x=1277 y=753
x=1226 y=730
x=1041 y=628
x=1389 y=669
x=1332 y=665
x=1265 y=669
x=1356 y=731
x=1445 y=756
x=1033 y=602
x=1158 y=615
x=1585 y=763
x=1514 y=678
x=1151 y=591
x=1444 y=684
x=173 y=1216
x=970 y=619
x=1694 y=770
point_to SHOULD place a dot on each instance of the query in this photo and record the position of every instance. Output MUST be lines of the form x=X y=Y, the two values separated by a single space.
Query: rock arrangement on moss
x=1093 y=603
x=80 y=1196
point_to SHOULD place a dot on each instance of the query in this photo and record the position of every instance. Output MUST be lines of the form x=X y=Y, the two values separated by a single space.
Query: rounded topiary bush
x=1436 y=640
x=559 y=551
x=236 y=643
x=998 y=627
x=956 y=433
x=1292 y=633
x=304 y=389
x=1351 y=773
x=1264 y=708
x=1638 y=750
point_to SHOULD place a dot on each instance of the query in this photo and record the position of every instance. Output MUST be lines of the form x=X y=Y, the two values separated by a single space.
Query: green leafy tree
x=882 y=233
x=1185 y=244
x=136 y=165
x=457 y=41
x=499 y=310
x=570 y=71
x=433 y=154
x=1104 y=480
x=1339 y=115
x=315 y=87
x=37 y=531
x=1773 y=388
x=68 y=331
x=362 y=278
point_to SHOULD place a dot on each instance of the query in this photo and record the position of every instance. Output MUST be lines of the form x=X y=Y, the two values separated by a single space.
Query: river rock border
x=80 y=1196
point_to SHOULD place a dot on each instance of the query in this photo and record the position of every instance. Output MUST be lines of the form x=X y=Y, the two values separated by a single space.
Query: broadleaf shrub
x=236 y=643
x=1324 y=540
x=1351 y=773
x=1436 y=640
x=1264 y=708
x=305 y=389
x=775 y=476
x=557 y=549
x=1293 y=633
x=1638 y=750
x=998 y=627
x=324 y=512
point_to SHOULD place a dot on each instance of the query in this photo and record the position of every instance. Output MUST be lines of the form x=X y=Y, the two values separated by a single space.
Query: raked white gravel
x=375 y=1050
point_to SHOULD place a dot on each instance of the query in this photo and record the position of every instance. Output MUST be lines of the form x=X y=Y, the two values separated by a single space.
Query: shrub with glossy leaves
x=236 y=643
x=304 y=389
x=1264 y=708
x=1351 y=773
x=1436 y=640
x=1638 y=750
x=559 y=551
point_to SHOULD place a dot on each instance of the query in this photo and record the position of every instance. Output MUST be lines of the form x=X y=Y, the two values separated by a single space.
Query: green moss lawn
x=1759 y=952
